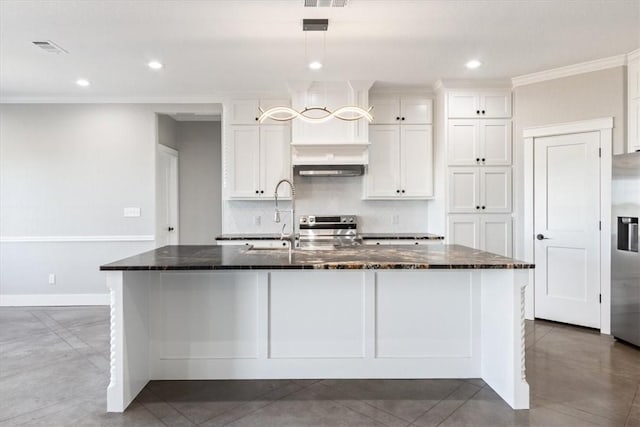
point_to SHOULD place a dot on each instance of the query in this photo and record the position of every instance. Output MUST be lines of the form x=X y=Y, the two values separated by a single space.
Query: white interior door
x=567 y=215
x=167 y=192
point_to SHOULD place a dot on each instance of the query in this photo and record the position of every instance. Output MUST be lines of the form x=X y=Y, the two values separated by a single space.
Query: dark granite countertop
x=400 y=236
x=365 y=236
x=186 y=257
x=266 y=236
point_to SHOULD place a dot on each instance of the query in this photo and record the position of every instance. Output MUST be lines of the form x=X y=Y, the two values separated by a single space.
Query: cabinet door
x=463 y=105
x=265 y=104
x=244 y=112
x=416 y=111
x=464 y=230
x=386 y=110
x=496 y=234
x=633 y=136
x=495 y=104
x=495 y=142
x=464 y=190
x=383 y=172
x=243 y=165
x=495 y=189
x=275 y=160
x=416 y=161
x=462 y=143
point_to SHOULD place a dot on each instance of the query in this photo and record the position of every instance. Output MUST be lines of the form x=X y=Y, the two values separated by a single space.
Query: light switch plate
x=131 y=212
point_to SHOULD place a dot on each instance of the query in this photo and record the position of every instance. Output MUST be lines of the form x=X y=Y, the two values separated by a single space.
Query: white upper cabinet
x=633 y=104
x=400 y=162
x=401 y=110
x=247 y=111
x=257 y=158
x=479 y=142
x=484 y=104
x=416 y=161
x=383 y=172
x=479 y=190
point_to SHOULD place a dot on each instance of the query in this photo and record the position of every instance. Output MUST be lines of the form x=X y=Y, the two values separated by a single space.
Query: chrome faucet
x=290 y=237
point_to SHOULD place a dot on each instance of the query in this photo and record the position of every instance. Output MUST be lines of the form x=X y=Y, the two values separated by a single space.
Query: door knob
x=170 y=228
x=541 y=237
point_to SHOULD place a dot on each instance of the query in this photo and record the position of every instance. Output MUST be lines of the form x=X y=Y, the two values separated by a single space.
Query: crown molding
x=570 y=70
x=633 y=55
x=111 y=100
x=444 y=84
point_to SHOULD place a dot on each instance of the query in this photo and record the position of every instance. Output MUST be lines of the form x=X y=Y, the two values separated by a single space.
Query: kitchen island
x=236 y=312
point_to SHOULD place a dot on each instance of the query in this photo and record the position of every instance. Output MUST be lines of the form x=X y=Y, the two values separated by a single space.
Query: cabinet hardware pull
x=261 y=191
x=477 y=159
x=170 y=229
x=257 y=119
x=482 y=111
x=402 y=118
x=257 y=191
x=477 y=111
x=484 y=207
x=398 y=118
x=403 y=191
x=477 y=207
x=483 y=160
x=398 y=191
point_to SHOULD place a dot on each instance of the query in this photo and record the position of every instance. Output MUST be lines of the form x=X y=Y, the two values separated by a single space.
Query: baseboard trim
x=39 y=300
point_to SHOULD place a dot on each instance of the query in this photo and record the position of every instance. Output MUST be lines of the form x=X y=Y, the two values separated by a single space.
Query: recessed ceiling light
x=83 y=82
x=155 y=65
x=315 y=65
x=473 y=64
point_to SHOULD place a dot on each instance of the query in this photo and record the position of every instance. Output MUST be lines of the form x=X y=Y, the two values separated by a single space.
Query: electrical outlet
x=395 y=219
x=257 y=220
x=52 y=279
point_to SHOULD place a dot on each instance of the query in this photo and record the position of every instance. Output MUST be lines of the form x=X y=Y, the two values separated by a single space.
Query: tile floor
x=54 y=372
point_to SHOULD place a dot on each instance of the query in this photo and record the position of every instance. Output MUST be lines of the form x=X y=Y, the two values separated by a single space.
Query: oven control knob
x=344 y=219
x=350 y=219
x=303 y=219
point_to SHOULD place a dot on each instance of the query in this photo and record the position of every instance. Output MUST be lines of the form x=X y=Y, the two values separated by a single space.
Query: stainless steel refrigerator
x=625 y=258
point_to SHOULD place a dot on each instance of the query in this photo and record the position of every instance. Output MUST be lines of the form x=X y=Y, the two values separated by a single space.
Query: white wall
x=580 y=97
x=199 y=144
x=329 y=196
x=66 y=172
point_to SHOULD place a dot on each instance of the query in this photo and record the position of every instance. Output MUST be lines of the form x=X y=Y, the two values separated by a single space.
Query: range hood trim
x=352 y=153
x=329 y=170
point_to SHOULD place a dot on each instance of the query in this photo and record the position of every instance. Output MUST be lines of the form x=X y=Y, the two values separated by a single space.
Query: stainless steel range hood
x=328 y=170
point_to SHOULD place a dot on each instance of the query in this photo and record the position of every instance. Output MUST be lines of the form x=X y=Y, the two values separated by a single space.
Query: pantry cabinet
x=479 y=190
x=479 y=104
x=479 y=142
x=491 y=233
x=633 y=102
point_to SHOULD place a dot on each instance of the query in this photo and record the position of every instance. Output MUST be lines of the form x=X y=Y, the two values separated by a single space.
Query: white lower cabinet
x=479 y=189
x=400 y=162
x=487 y=232
x=257 y=157
x=260 y=244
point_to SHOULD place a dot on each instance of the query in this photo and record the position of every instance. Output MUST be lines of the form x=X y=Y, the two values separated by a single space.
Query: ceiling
x=216 y=47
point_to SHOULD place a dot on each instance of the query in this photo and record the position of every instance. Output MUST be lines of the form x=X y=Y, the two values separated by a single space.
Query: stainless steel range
x=328 y=232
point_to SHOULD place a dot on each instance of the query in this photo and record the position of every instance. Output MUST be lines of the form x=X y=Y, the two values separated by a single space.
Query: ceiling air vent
x=49 y=46
x=325 y=3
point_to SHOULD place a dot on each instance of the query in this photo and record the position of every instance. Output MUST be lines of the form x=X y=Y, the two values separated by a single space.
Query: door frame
x=176 y=154
x=604 y=126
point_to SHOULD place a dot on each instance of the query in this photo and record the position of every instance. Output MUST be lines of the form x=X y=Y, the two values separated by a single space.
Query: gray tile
x=19 y=325
x=35 y=389
x=96 y=335
x=249 y=407
x=91 y=414
x=571 y=384
x=448 y=405
x=32 y=353
x=79 y=316
x=405 y=399
x=200 y=401
x=304 y=408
